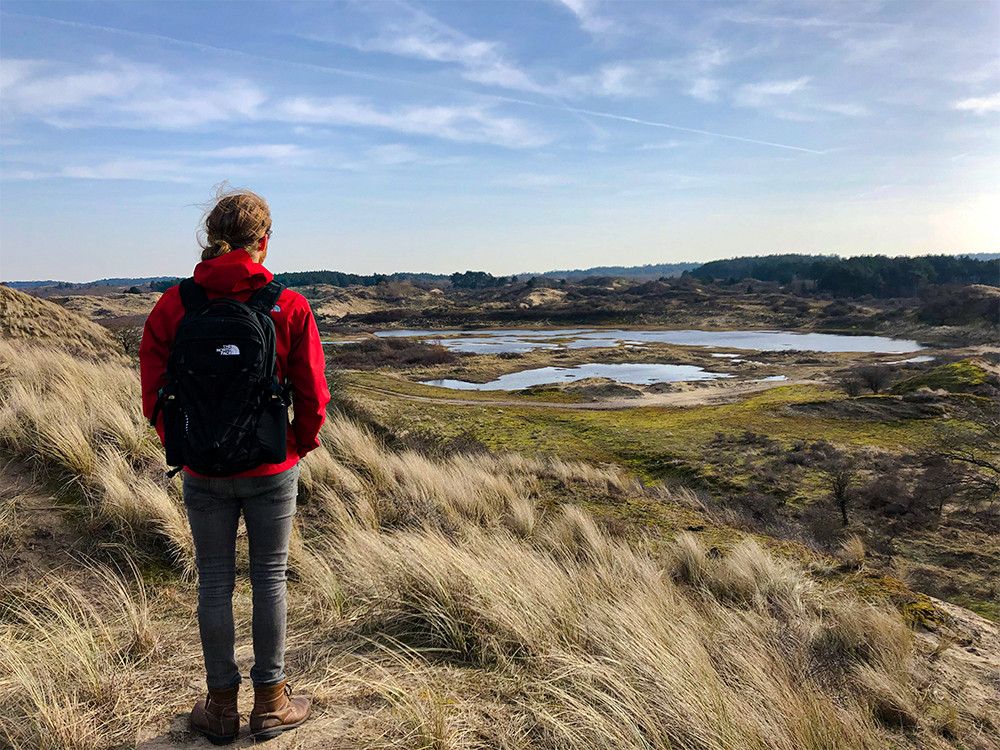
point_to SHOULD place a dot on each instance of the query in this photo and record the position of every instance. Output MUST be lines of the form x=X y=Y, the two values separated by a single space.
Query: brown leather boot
x=216 y=717
x=276 y=711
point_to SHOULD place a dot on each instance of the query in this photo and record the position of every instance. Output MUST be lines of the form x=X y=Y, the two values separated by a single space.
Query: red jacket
x=301 y=361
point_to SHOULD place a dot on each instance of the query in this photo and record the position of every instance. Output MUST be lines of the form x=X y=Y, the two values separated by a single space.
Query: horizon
x=144 y=279
x=497 y=136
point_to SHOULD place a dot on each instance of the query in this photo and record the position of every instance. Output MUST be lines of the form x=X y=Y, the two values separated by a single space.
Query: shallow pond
x=637 y=374
x=522 y=340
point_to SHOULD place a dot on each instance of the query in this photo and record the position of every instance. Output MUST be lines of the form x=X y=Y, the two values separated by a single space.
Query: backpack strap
x=266 y=297
x=192 y=295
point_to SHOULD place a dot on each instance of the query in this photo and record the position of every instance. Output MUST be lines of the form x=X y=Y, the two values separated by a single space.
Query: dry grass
x=78 y=423
x=23 y=317
x=483 y=612
x=353 y=472
x=599 y=645
x=69 y=658
x=104 y=306
x=852 y=551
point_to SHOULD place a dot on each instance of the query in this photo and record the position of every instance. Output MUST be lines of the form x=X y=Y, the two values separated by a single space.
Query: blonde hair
x=234 y=218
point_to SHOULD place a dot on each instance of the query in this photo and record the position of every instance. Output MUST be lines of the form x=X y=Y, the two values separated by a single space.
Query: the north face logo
x=228 y=350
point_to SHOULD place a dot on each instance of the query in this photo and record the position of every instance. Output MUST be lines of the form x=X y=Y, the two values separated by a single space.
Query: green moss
x=156 y=572
x=921 y=611
x=917 y=609
x=553 y=395
x=957 y=377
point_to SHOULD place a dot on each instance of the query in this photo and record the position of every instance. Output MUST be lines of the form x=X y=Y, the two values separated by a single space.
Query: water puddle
x=635 y=374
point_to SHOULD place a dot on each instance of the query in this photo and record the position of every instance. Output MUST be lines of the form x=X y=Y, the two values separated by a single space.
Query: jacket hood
x=232 y=272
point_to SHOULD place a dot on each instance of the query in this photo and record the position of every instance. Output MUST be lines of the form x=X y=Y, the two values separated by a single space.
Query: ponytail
x=234 y=219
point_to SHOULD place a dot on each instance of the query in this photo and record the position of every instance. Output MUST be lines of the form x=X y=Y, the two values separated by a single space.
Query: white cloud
x=694 y=73
x=13 y=70
x=118 y=93
x=472 y=123
x=618 y=79
x=429 y=45
x=847 y=110
x=783 y=21
x=762 y=94
x=213 y=103
x=24 y=175
x=794 y=100
x=39 y=88
x=705 y=89
x=865 y=50
x=660 y=146
x=589 y=19
x=980 y=104
x=121 y=93
x=391 y=155
x=482 y=61
x=979 y=74
x=269 y=151
x=155 y=170
x=697 y=71
x=537 y=181
x=413 y=33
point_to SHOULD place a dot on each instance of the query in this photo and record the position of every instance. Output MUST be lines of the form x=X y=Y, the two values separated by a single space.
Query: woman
x=237 y=230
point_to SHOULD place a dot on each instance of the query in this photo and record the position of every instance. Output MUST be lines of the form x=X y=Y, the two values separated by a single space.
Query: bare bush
x=852 y=385
x=875 y=378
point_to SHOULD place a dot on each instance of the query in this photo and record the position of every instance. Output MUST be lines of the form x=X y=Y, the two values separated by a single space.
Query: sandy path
x=695 y=397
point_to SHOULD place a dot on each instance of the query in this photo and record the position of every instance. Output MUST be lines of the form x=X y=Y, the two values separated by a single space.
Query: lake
x=495 y=341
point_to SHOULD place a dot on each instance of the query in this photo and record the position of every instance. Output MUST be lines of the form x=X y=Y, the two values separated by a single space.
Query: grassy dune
x=454 y=600
x=26 y=318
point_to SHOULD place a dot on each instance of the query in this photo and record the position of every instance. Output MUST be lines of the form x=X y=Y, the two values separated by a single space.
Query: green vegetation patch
x=982 y=607
x=656 y=442
x=957 y=377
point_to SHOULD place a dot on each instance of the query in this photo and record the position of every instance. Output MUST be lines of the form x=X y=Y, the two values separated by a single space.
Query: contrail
x=878 y=189
x=408 y=82
x=669 y=126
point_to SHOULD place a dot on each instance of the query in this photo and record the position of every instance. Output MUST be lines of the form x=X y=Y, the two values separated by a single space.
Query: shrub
x=876 y=378
x=375 y=353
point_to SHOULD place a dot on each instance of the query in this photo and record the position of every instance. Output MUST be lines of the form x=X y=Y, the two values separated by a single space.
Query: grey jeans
x=214 y=505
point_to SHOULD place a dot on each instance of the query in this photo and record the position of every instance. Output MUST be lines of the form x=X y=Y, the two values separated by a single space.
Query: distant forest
x=877 y=275
x=651 y=271
x=333 y=278
x=118 y=281
x=336 y=278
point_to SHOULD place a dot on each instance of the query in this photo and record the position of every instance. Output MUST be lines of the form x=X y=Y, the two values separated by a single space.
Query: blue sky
x=503 y=136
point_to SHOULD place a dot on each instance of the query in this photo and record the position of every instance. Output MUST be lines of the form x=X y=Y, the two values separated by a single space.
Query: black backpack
x=224 y=411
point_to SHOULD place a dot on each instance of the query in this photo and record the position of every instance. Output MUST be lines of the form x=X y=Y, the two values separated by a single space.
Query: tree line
x=877 y=275
x=332 y=278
